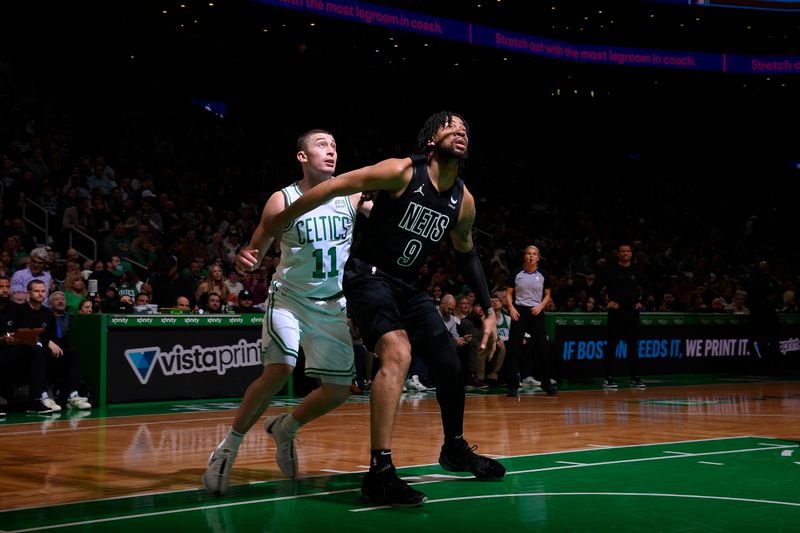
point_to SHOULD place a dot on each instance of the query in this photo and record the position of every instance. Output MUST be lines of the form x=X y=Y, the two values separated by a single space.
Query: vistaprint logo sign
x=193 y=360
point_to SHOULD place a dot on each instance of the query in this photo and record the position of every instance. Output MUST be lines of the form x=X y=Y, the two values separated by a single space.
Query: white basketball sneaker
x=415 y=384
x=218 y=473
x=285 y=454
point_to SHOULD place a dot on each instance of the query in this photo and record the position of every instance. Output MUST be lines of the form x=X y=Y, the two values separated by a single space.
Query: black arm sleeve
x=470 y=266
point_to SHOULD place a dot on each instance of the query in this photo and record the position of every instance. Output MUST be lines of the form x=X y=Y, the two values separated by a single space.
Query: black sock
x=380 y=460
x=454 y=444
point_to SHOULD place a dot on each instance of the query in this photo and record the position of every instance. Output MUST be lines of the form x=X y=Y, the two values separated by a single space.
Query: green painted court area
x=747 y=484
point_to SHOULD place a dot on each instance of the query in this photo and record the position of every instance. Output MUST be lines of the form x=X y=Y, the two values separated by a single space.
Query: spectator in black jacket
x=168 y=284
x=36 y=353
x=108 y=275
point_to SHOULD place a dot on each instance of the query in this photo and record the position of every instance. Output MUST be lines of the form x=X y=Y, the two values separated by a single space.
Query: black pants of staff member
x=64 y=372
x=37 y=366
x=765 y=334
x=25 y=364
x=623 y=324
x=534 y=325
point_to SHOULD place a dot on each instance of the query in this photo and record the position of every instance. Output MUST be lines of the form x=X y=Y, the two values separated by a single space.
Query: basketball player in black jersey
x=421 y=200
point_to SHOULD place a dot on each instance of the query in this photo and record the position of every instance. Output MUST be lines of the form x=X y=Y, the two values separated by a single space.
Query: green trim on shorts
x=327 y=298
x=266 y=361
x=286 y=350
x=329 y=372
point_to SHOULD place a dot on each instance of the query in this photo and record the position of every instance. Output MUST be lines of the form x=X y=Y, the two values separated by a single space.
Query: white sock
x=290 y=425
x=232 y=441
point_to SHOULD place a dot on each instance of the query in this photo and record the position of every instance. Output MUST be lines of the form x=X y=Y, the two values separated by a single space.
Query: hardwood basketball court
x=690 y=453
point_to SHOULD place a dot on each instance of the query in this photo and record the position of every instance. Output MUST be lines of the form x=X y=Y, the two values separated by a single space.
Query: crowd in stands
x=172 y=202
x=136 y=207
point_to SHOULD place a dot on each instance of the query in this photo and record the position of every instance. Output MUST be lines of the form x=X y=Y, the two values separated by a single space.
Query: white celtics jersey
x=315 y=246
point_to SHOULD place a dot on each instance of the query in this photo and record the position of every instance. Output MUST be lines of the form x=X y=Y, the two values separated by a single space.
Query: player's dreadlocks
x=432 y=125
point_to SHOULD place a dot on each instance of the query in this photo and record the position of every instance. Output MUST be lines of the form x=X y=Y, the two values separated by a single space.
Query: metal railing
x=77 y=239
x=484 y=236
x=43 y=225
x=85 y=241
x=142 y=270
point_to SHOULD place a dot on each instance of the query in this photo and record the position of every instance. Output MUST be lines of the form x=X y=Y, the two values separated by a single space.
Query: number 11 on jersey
x=319 y=271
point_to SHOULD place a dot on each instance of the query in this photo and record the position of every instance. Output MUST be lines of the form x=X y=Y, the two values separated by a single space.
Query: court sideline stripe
x=365 y=467
x=646 y=494
x=327 y=493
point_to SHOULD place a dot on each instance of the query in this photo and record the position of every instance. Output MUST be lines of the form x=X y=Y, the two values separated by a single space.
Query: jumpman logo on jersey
x=420 y=190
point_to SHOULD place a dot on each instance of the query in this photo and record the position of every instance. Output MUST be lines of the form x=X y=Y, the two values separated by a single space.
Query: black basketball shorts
x=381 y=303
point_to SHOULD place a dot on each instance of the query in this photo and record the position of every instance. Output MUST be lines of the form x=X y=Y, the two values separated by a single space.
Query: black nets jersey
x=400 y=232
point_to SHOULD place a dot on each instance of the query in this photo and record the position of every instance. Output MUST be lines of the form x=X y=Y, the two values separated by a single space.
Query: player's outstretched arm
x=388 y=175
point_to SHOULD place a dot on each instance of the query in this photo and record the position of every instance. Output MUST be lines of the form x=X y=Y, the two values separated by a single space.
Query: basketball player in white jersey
x=305 y=306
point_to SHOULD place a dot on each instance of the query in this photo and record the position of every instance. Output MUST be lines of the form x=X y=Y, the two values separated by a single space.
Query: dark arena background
x=670 y=125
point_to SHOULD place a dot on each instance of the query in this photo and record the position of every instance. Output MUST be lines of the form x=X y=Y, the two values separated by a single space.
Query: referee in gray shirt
x=527 y=294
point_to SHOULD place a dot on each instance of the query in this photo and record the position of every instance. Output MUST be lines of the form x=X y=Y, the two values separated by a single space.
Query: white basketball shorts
x=320 y=326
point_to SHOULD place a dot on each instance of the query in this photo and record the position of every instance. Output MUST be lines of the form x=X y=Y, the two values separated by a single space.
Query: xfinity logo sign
x=180 y=360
